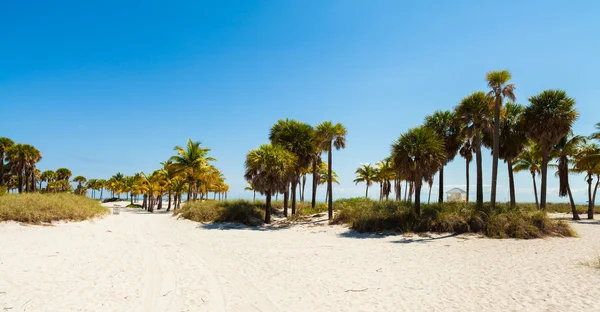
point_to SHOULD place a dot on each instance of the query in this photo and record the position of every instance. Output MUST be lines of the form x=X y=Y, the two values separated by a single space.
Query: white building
x=456 y=195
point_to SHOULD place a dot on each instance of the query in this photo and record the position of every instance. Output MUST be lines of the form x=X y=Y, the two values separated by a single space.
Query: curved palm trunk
x=367 y=193
x=268 y=208
x=544 y=179
x=596 y=189
x=467 y=166
x=441 y=187
x=329 y=182
x=429 y=198
x=303 y=187
x=169 y=204
x=478 y=160
x=511 y=183
x=590 y=199
x=101 y=190
x=573 y=209
x=496 y=150
x=314 y=184
x=537 y=203
x=418 y=199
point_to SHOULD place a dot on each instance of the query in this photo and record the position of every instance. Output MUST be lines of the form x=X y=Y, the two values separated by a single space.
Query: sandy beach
x=137 y=261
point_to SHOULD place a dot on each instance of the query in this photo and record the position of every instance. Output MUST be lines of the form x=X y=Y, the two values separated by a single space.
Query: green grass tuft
x=38 y=208
x=365 y=215
x=240 y=211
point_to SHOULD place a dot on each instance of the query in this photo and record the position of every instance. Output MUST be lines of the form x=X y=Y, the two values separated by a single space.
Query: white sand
x=141 y=262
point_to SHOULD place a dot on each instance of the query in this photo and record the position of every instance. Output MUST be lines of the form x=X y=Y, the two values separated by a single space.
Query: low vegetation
x=365 y=215
x=240 y=211
x=44 y=208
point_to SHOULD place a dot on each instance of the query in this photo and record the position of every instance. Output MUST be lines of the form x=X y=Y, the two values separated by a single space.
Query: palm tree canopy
x=530 y=159
x=366 y=173
x=420 y=151
x=475 y=113
x=79 y=179
x=47 y=175
x=5 y=144
x=191 y=158
x=512 y=133
x=63 y=174
x=587 y=159
x=563 y=150
x=268 y=168
x=297 y=137
x=497 y=82
x=445 y=125
x=549 y=117
x=327 y=133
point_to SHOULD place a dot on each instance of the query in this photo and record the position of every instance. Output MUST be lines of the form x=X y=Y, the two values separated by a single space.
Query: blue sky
x=114 y=85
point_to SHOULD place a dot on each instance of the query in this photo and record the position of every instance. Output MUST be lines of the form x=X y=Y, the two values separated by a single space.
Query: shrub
x=113 y=199
x=240 y=211
x=365 y=215
x=134 y=206
x=37 y=208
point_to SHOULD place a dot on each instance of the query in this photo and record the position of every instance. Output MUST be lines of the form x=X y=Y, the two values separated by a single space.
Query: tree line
x=526 y=138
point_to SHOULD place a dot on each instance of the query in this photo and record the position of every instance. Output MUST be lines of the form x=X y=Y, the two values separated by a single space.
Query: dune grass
x=364 y=215
x=302 y=208
x=45 y=208
x=240 y=211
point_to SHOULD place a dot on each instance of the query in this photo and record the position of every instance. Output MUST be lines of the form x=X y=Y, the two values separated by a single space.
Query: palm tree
x=5 y=144
x=366 y=173
x=101 y=186
x=298 y=138
x=549 y=118
x=316 y=161
x=63 y=174
x=512 y=142
x=445 y=125
x=530 y=160
x=497 y=82
x=190 y=160
x=47 y=176
x=474 y=113
x=466 y=151
x=420 y=151
x=80 y=180
x=323 y=177
x=330 y=136
x=250 y=187
x=587 y=161
x=23 y=158
x=565 y=148
x=268 y=168
x=385 y=174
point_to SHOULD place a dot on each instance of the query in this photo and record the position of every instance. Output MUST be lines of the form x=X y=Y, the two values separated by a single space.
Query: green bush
x=366 y=215
x=134 y=206
x=38 y=208
x=240 y=211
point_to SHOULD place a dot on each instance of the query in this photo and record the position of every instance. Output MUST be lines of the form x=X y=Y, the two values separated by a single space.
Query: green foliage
x=239 y=211
x=365 y=215
x=134 y=206
x=38 y=208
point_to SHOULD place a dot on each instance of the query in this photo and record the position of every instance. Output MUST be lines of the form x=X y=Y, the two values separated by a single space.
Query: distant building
x=456 y=195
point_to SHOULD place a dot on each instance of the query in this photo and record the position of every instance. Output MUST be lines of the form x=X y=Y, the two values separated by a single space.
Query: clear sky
x=108 y=86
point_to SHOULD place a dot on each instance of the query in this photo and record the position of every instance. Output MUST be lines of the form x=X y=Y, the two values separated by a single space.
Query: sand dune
x=151 y=262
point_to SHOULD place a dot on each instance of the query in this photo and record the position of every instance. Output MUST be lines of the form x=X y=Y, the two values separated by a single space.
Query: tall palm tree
x=445 y=125
x=530 y=160
x=298 y=138
x=547 y=119
x=268 y=169
x=385 y=173
x=190 y=160
x=466 y=151
x=420 y=151
x=366 y=173
x=47 y=176
x=512 y=142
x=563 y=150
x=23 y=158
x=5 y=144
x=330 y=136
x=497 y=81
x=474 y=112
x=587 y=161
x=250 y=187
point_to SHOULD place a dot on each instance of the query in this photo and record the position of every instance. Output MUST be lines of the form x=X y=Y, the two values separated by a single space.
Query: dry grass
x=240 y=211
x=365 y=215
x=39 y=208
x=593 y=264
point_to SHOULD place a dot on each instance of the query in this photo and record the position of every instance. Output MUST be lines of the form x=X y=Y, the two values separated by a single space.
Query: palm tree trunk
x=496 y=150
x=294 y=186
x=596 y=189
x=314 y=184
x=406 y=190
x=418 y=199
x=2 y=168
x=467 y=166
x=254 y=199
x=101 y=190
x=590 y=199
x=329 y=182
x=367 y=193
x=478 y=160
x=169 y=204
x=544 y=178
x=20 y=180
x=303 y=187
x=573 y=208
x=537 y=203
x=268 y=208
x=286 y=195
x=511 y=183
x=399 y=190
x=429 y=198
x=441 y=187
x=191 y=184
